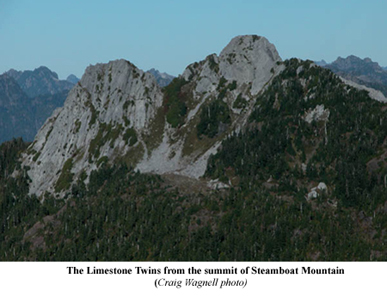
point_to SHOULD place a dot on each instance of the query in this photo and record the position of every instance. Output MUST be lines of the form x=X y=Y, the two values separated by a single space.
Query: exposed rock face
x=317 y=191
x=246 y=59
x=317 y=114
x=109 y=100
x=374 y=94
x=256 y=61
x=242 y=68
x=117 y=111
x=42 y=107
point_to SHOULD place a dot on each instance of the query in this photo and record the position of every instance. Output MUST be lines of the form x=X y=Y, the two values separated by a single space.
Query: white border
x=53 y=279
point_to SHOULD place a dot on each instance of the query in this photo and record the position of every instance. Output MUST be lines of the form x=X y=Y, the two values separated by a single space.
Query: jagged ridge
x=117 y=111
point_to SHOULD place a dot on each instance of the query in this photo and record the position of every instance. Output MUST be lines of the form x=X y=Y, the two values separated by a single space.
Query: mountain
x=355 y=65
x=42 y=107
x=11 y=92
x=361 y=71
x=117 y=111
x=72 y=79
x=321 y=63
x=22 y=116
x=41 y=81
x=163 y=79
x=28 y=99
x=15 y=113
x=243 y=157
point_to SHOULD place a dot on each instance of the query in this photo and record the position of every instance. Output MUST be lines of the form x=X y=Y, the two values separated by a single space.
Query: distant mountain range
x=243 y=157
x=15 y=114
x=72 y=79
x=321 y=63
x=361 y=71
x=163 y=79
x=41 y=81
x=28 y=98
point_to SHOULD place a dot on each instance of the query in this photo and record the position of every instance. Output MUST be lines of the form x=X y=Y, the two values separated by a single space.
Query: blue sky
x=67 y=36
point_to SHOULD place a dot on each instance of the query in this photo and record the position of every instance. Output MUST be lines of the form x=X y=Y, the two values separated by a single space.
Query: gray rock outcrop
x=117 y=111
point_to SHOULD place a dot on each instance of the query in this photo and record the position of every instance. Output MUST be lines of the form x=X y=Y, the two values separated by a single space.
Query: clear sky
x=67 y=36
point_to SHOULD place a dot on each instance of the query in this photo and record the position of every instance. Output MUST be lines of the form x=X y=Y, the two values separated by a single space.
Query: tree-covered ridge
x=9 y=153
x=175 y=102
x=18 y=211
x=306 y=128
x=335 y=146
x=123 y=215
x=214 y=119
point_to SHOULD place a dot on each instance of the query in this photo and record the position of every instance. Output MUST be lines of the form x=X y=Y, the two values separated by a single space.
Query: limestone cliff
x=117 y=111
x=100 y=118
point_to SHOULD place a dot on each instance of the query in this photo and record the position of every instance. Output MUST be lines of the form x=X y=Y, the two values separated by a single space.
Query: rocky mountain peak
x=247 y=59
x=119 y=111
x=14 y=73
x=43 y=71
x=246 y=43
x=102 y=118
x=124 y=82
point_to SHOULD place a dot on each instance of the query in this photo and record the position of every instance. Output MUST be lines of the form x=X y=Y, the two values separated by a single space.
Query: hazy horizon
x=67 y=36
